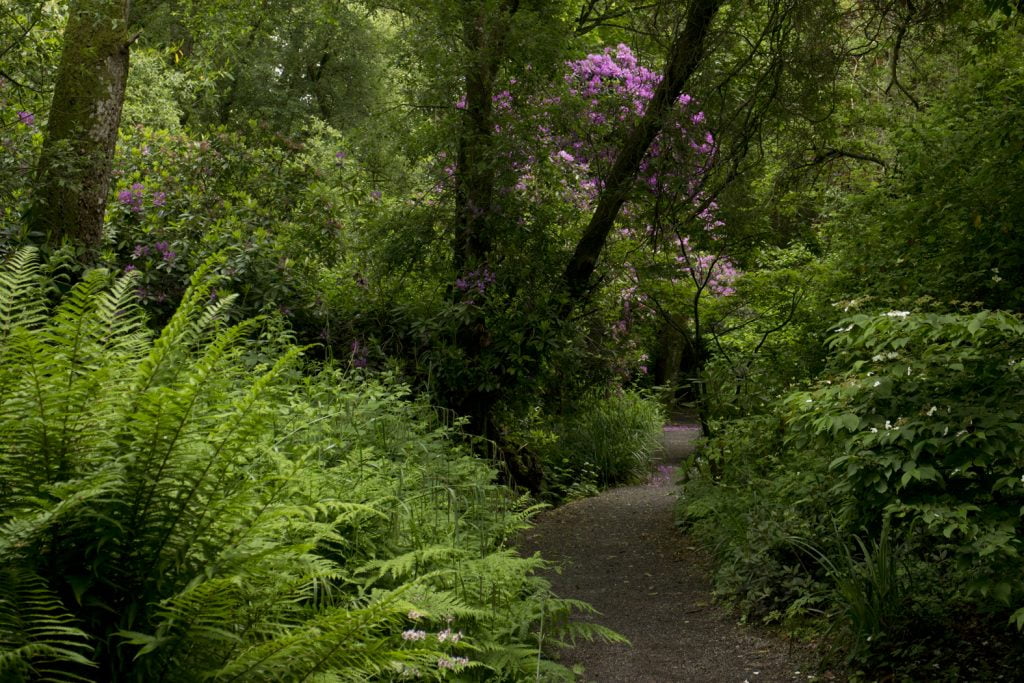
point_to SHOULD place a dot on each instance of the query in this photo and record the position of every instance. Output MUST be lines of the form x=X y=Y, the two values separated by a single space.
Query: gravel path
x=620 y=551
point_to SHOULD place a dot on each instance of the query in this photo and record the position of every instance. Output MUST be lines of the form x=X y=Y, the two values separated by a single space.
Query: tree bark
x=684 y=57
x=73 y=175
x=484 y=37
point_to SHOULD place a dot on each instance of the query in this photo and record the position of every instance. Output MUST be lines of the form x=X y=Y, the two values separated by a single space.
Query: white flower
x=877 y=383
x=897 y=314
x=932 y=411
x=888 y=425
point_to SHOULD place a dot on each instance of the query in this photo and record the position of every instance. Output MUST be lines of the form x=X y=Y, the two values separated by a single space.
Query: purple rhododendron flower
x=26 y=118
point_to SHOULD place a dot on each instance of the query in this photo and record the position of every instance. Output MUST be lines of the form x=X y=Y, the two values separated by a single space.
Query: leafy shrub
x=175 y=508
x=605 y=441
x=885 y=494
x=760 y=498
x=180 y=197
x=924 y=425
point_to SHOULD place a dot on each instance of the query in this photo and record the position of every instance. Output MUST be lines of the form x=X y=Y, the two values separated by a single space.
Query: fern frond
x=121 y=325
x=349 y=644
x=21 y=300
x=416 y=562
x=191 y=320
x=38 y=636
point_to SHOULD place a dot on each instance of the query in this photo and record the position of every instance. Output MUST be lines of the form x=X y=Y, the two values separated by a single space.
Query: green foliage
x=604 y=441
x=286 y=211
x=748 y=499
x=946 y=223
x=155 y=93
x=178 y=508
x=767 y=335
x=924 y=424
x=888 y=489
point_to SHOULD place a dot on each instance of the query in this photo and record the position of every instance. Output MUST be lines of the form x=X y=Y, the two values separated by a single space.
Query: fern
x=20 y=304
x=169 y=514
x=38 y=637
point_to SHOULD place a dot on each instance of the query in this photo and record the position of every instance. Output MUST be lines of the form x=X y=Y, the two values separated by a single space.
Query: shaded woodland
x=306 y=308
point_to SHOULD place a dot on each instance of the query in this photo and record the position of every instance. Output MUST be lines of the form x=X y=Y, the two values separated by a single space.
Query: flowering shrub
x=923 y=425
x=888 y=495
x=20 y=142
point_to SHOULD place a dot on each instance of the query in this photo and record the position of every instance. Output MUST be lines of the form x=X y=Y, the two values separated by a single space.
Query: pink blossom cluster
x=715 y=273
x=478 y=281
x=604 y=93
x=615 y=90
x=634 y=84
x=452 y=662
x=133 y=197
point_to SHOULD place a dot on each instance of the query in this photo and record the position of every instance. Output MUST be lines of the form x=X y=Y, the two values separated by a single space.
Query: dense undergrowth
x=885 y=497
x=871 y=495
x=189 y=505
x=602 y=441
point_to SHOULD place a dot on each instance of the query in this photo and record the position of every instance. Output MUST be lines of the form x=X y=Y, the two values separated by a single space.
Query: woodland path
x=621 y=552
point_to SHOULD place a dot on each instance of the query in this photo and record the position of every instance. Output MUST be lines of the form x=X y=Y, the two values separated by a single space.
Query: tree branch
x=894 y=67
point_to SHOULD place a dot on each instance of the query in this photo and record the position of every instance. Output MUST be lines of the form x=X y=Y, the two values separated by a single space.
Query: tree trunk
x=73 y=176
x=483 y=34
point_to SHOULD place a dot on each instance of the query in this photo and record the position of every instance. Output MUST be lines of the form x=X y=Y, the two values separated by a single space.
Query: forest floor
x=621 y=552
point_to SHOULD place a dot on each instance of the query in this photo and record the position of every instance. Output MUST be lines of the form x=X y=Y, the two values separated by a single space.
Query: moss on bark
x=73 y=176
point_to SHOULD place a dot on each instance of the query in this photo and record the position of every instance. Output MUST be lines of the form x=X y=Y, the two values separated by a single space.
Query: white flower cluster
x=449 y=636
x=451 y=662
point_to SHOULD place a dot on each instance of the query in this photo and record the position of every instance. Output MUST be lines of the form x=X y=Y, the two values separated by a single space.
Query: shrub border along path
x=621 y=552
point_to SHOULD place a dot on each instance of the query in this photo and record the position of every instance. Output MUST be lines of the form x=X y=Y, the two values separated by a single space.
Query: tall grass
x=608 y=438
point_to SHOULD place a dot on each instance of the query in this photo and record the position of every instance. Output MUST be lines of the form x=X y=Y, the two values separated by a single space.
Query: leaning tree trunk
x=73 y=176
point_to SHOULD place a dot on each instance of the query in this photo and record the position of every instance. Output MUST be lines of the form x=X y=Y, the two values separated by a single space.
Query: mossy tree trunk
x=73 y=176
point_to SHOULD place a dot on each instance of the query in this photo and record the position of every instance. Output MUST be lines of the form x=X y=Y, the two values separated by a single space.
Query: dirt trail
x=621 y=552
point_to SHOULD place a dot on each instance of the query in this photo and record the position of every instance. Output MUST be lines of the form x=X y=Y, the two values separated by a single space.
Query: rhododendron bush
x=559 y=144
